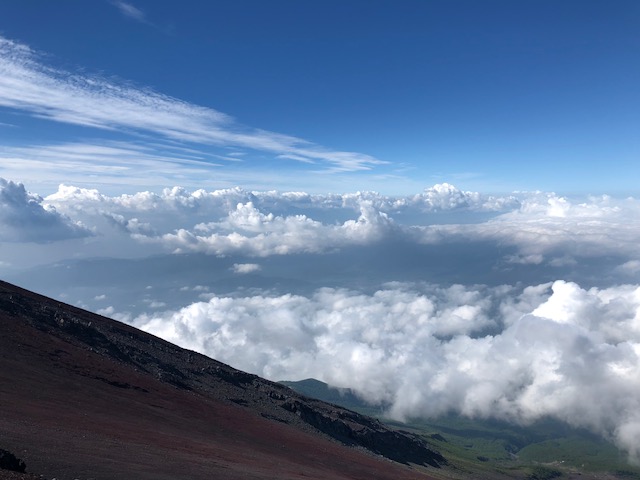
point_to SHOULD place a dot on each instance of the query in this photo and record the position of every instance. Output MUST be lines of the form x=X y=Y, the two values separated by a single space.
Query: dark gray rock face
x=8 y=461
x=354 y=429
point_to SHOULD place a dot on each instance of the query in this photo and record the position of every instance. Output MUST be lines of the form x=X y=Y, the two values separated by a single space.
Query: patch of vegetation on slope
x=492 y=448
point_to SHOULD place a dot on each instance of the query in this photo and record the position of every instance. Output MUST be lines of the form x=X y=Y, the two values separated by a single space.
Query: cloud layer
x=24 y=218
x=517 y=354
x=530 y=228
x=516 y=307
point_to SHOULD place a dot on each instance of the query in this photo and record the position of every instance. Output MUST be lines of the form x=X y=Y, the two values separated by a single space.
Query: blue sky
x=494 y=96
x=397 y=197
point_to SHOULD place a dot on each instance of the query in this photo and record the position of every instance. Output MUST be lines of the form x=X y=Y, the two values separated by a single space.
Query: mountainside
x=83 y=396
x=316 y=389
x=495 y=449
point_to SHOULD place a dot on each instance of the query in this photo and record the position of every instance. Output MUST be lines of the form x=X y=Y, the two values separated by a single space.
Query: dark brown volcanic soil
x=85 y=397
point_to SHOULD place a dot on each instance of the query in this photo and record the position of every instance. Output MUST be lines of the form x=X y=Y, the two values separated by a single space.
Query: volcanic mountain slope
x=83 y=396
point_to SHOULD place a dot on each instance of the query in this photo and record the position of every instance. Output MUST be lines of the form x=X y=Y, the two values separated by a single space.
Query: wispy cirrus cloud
x=128 y=10
x=30 y=86
x=105 y=162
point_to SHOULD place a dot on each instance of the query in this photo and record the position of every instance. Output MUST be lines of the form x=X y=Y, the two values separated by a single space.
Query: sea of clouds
x=513 y=353
x=516 y=307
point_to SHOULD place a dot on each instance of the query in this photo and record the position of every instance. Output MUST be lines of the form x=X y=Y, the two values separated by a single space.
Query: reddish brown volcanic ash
x=82 y=396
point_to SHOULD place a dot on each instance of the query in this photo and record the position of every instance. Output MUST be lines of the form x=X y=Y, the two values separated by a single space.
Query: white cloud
x=24 y=217
x=511 y=353
x=561 y=348
x=551 y=228
x=28 y=85
x=242 y=268
x=107 y=312
x=632 y=267
x=130 y=11
x=106 y=163
x=528 y=230
x=539 y=233
x=219 y=203
x=248 y=231
x=447 y=197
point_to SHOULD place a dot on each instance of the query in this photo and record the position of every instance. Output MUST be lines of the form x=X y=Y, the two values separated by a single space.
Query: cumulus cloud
x=24 y=217
x=631 y=267
x=177 y=209
x=242 y=268
x=108 y=311
x=506 y=352
x=444 y=196
x=248 y=231
x=547 y=227
x=525 y=230
x=435 y=199
x=264 y=223
x=555 y=232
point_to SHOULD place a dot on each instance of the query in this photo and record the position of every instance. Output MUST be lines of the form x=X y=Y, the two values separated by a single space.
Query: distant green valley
x=488 y=449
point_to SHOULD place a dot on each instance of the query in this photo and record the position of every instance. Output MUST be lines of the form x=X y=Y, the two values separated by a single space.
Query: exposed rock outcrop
x=8 y=461
x=351 y=428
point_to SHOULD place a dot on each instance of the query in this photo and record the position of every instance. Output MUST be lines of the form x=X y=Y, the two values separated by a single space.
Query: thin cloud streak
x=28 y=85
x=130 y=11
x=120 y=166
